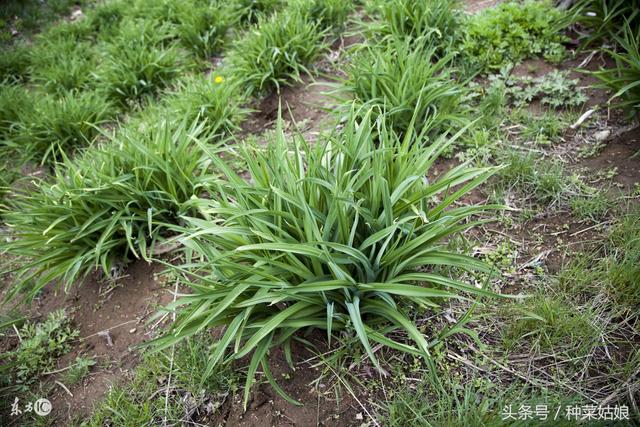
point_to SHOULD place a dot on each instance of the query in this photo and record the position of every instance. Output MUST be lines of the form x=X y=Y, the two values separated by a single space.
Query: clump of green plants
x=436 y=22
x=55 y=125
x=109 y=205
x=15 y=102
x=62 y=65
x=604 y=18
x=329 y=13
x=14 y=62
x=78 y=371
x=554 y=89
x=547 y=322
x=277 y=50
x=334 y=236
x=203 y=26
x=140 y=403
x=511 y=32
x=532 y=175
x=136 y=64
x=252 y=10
x=544 y=129
x=214 y=99
x=593 y=205
x=402 y=82
x=27 y=16
x=624 y=79
x=40 y=346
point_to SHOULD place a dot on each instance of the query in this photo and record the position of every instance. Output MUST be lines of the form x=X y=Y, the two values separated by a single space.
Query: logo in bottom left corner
x=42 y=407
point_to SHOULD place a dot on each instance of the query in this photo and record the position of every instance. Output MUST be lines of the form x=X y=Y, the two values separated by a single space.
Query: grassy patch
x=340 y=227
x=395 y=79
x=175 y=375
x=112 y=203
x=277 y=50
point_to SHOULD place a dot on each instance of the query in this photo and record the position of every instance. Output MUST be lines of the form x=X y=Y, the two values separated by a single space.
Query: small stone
x=602 y=135
x=359 y=416
x=132 y=331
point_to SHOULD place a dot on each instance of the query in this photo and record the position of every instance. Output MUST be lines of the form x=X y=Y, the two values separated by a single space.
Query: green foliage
x=329 y=13
x=277 y=50
x=78 y=371
x=113 y=202
x=593 y=206
x=436 y=22
x=553 y=89
x=544 y=129
x=40 y=346
x=65 y=123
x=139 y=403
x=532 y=175
x=214 y=99
x=203 y=25
x=27 y=16
x=136 y=64
x=252 y=10
x=605 y=18
x=14 y=62
x=512 y=32
x=326 y=236
x=624 y=79
x=547 y=322
x=403 y=82
x=613 y=269
x=62 y=65
x=15 y=102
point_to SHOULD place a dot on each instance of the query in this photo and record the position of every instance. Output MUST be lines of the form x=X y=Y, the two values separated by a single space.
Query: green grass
x=252 y=10
x=66 y=123
x=624 y=79
x=142 y=400
x=277 y=51
x=400 y=81
x=137 y=64
x=204 y=26
x=109 y=205
x=437 y=23
x=63 y=65
x=329 y=13
x=326 y=237
x=532 y=176
x=214 y=99
x=15 y=102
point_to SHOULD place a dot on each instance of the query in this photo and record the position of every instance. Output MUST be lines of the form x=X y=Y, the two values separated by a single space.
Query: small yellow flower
x=218 y=79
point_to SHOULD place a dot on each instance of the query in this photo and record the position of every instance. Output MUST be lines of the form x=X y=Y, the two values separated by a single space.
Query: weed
x=277 y=50
x=512 y=32
x=40 y=346
x=326 y=237
x=532 y=175
x=142 y=402
x=78 y=371
x=554 y=89
x=544 y=129
x=112 y=203
x=605 y=18
x=593 y=206
x=547 y=322
x=401 y=82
